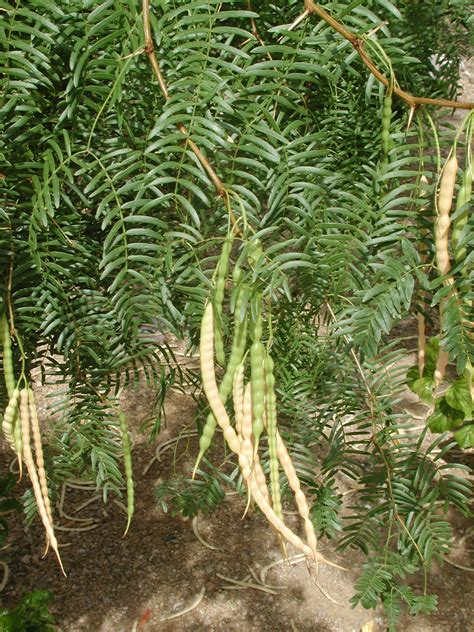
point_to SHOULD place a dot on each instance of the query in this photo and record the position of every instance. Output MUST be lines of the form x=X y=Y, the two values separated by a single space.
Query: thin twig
x=469 y=569
x=194 y=604
x=296 y=559
x=87 y=502
x=199 y=536
x=246 y=584
x=150 y=51
x=73 y=529
x=358 y=43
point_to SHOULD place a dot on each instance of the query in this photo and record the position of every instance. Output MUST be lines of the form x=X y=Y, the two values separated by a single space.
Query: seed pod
x=217 y=407
x=246 y=443
x=464 y=196
x=18 y=438
x=7 y=355
x=221 y=275
x=261 y=478
x=9 y=418
x=446 y=186
x=445 y=200
x=258 y=388
x=238 y=397
x=386 y=119
x=209 y=379
x=30 y=464
x=236 y=354
x=271 y=418
x=127 y=461
x=35 y=427
x=254 y=252
x=257 y=353
x=300 y=498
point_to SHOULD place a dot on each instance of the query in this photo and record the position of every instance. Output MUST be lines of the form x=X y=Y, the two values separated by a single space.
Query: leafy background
x=111 y=228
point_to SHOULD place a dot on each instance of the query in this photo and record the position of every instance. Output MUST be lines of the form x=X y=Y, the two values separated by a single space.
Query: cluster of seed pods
x=254 y=411
x=20 y=421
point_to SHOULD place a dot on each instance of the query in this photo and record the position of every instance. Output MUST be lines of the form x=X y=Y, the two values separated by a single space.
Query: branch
x=150 y=51
x=413 y=101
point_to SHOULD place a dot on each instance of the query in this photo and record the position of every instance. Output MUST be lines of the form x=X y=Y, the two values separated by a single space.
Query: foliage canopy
x=111 y=224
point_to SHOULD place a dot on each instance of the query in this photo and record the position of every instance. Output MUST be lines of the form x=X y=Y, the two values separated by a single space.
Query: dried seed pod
x=35 y=427
x=30 y=464
x=443 y=222
x=300 y=498
x=9 y=418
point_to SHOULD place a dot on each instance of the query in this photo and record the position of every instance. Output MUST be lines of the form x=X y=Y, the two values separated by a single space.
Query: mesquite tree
x=139 y=138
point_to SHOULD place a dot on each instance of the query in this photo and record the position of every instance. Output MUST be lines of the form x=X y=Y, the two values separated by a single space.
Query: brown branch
x=150 y=51
x=413 y=101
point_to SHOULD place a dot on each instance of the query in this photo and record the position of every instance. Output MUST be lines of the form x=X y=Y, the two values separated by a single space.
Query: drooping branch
x=150 y=51
x=311 y=7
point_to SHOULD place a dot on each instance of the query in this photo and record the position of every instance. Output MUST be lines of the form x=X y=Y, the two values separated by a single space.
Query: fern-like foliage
x=111 y=224
x=186 y=497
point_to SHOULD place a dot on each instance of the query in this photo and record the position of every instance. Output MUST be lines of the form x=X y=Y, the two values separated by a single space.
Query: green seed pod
x=255 y=252
x=257 y=376
x=127 y=462
x=219 y=345
x=7 y=355
x=258 y=388
x=221 y=275
x=271 y=418
x=464 y=196
x=386 y=118
x=237 y=275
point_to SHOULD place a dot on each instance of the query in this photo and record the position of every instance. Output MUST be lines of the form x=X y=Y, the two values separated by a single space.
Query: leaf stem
x=311 y=7
x=150 y=51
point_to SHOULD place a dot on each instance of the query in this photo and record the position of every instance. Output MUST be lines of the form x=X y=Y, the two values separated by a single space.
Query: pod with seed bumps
x=443 y=222
x=9 y=418
x=386 y=118
x=221 y=275
x=7 y=355
x=212 y=393
x=30 y=465
x=257 y=354
x=463 y=198
x=236 y=354
x=271 y=418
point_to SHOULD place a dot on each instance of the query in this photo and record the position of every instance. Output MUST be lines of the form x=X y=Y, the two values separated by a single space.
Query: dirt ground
x=117 y=584
x=160 y=568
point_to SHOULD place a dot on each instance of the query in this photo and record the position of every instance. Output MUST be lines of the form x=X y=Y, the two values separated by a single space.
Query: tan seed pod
x=443 y=222
x=11 y=412
x=30 y=465
x=35 y=427
x=300 y=498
